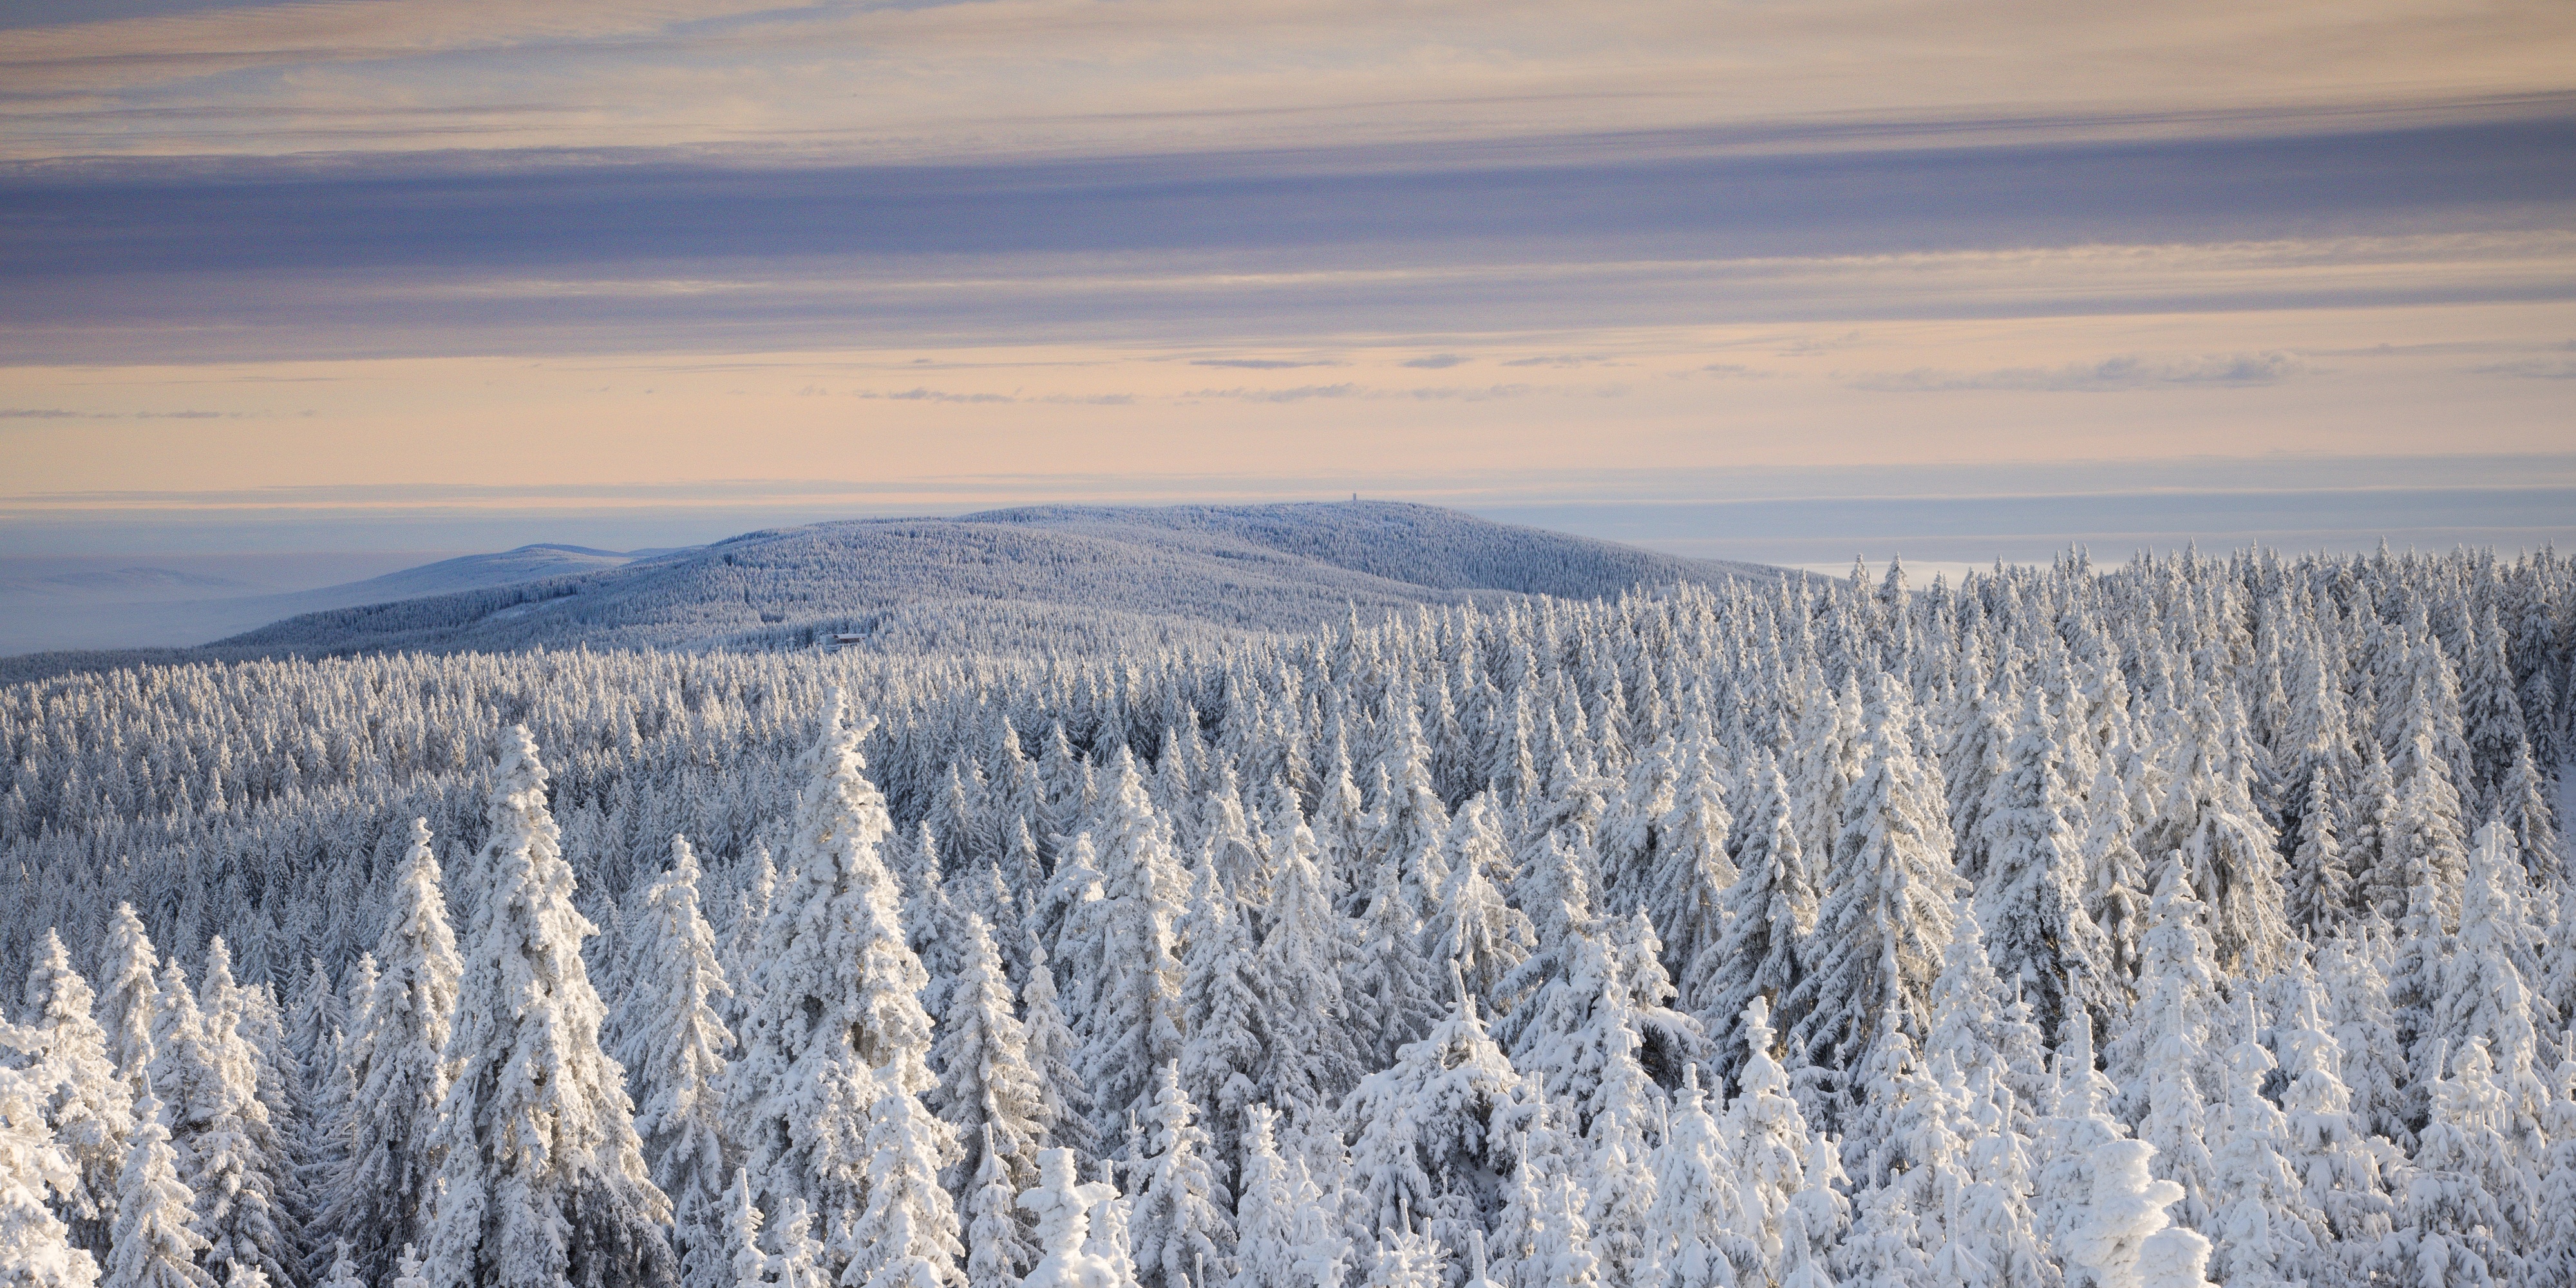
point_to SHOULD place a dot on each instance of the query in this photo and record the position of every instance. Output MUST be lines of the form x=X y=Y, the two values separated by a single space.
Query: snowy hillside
x=1057 y=578
x=2195 y=921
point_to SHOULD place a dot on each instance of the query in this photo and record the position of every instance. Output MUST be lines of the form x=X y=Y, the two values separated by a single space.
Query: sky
x=1776 y=281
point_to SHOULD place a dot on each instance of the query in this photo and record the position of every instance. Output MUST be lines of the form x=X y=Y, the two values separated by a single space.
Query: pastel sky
x=1763 y=280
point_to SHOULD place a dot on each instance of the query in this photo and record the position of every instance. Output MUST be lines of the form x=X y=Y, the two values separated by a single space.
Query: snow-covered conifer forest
x=2195 y=921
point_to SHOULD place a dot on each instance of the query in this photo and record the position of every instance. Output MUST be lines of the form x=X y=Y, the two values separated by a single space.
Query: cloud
x=1435 y=362
x=932 y=395
x=1299 y=394
x=1303 y=393
x=1476 y=394
x=1261 y=364
x=42 y=413
x=2533 y=369
x=1068 y=77
x=2243 y=370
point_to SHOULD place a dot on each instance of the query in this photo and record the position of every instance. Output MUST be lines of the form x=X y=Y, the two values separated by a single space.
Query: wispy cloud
x=1262 y=364
x=1435 y=362
x=2533 y=369
x=1300 y=393
x=1304 y=393
x=2110 y=375
x=996 y=77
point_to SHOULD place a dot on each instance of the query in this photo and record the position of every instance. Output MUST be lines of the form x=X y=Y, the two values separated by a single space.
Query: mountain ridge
x=1230 y=568
x=1031 y=578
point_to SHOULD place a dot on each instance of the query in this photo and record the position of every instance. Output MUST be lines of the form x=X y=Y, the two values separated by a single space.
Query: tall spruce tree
x=675 y=1044
x=541 y=1179
x=380 y=1197
x=837 y=998
x=88 y=1108
x=1881 y=930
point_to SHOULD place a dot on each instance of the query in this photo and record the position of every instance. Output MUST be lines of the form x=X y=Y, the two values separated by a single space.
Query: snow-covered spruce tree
x=218 y=1125
x=2208 y=816
x=1407 y=1259
x=1063 y=1204
x=1109 y=1239
x=2555 y=1262
x=2321 y=887
x=35 y=1247
x=541 y=1177
x=381 y=1197
x=2115 y=896
x=1769 y=911
x=409 y=1272
x=2165 y=1062
x=1064 y=1102
x=1886 y=919
x=132 y=999
x=2470 y=1204
x=2127 y=1212
x=929 y=916
x=1180 y=1228
x=908 y=1237
x=1438 y=1134
x=1472 y=924
x=2267 y=1232
x=1265 y=1211
x=1222 y=1008
x=1563 y=1255
x=749 y=1266
x=759 y=885
x=675 y=1043
x=1997 y=1224
x=2365 y=1031
x=1909 y=1161
x=1411 y=822
x=88 y=1107
x=1582 y=1042
x=1699 y=1234
x=837 y=997
x=2483 y=992
x=343 y=1272
x=315 y=1019
x=2174 y=1258
x=1685 y=889
x=1579 y=1037
x=1127 y=1008
x=156 y=1242
x=2338 y=1162
x=987 y=1091
x=1387 y=982
x=1978 y=1025
x=2526 y=811
x=1310 y=1059
x=2077 y=1124
x=998 y=1250
x=799 y=1263
x=2370 y=835
x=2030 y=900
x=1785 y=1169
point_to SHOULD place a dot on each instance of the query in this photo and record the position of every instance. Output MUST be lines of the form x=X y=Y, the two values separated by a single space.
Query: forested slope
x=2192 y=920
x=1130 y=577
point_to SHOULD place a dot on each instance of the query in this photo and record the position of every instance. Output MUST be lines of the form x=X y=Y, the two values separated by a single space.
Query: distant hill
x=119 y=584
x=169 y=607
x=1051 y=576
x=471 y=572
